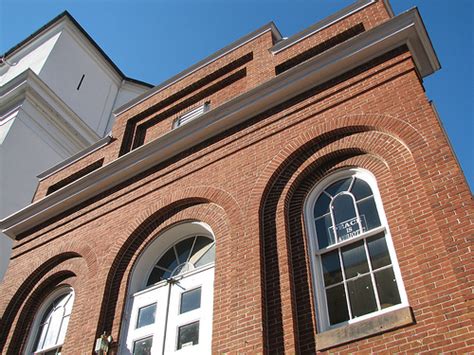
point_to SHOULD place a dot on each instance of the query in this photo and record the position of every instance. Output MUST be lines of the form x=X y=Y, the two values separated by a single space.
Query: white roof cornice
x=405 y=29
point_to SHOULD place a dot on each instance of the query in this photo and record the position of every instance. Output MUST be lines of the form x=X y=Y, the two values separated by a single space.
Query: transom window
x=355 y=272
x=50 y=326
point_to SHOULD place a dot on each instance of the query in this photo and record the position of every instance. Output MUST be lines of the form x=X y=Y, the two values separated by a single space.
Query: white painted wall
x=62 y=72
x=31 y=57
x=23 y=154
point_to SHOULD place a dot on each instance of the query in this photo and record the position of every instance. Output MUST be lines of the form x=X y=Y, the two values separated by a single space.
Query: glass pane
x=345 y=217
x=146 y=315
x=368 y=214
x=324 y=232
x=338 y=186
x=41 y=336
x=190 y=300
x=387 y=288
x=54 y=326
x=360 y=189
x=378 y=251
x=143 y=346
x=354 y=259
x=168 y=261
x=201 y=242
x=208 y=257
x=331 y=268
x=62 y=331
x=188 y=335
x=157 y=275
x=361 y=296
x=322 y=205
x=184 y=248
x=337 y=305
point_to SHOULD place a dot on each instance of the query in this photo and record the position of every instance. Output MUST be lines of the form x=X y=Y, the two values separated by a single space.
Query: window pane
x=345 y=217
x=168 y=261
x=184 y=248
x=341 y=185
x=188 y=335
x=200 y=243
x=361 y=296
x=146 y=315
x=190 y=300
x=324 y=232
x=387 y=288
x=378 y=251
x=360 y=189
x=53 y=330
x=157 y=275
x=337 y=306
x=208 y=257
x=368 y=212
x=354 y=259
x=331 y=268
x=62 y=331
x=143 y=346
x=322 y=205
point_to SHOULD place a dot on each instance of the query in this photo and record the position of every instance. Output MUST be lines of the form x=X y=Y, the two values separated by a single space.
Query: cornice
x=406 y=28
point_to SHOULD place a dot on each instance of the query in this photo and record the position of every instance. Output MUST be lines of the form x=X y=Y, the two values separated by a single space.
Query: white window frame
x=315 y=253
x=53 y=296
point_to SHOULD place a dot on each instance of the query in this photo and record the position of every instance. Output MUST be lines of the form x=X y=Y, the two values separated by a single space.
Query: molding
x=321 y=25
x=403 y=29
x=71 y=160
x=28 y=86
x=206 y=61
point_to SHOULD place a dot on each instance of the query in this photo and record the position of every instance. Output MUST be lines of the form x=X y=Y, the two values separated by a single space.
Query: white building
x=58 y=90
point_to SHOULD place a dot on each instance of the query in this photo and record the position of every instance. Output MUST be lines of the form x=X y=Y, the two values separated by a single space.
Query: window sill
x=365 y=328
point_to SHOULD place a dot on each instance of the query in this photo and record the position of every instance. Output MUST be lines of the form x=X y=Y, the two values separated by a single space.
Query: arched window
x=355 y=272
x=50 y=324
x=171 y=294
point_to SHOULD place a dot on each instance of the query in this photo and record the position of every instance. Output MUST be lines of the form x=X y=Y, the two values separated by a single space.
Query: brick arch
x=212 y=206
x=57 y=264
x=277 y=182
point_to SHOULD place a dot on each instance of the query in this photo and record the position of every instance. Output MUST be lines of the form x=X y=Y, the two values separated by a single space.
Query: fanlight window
x=353 y=255
x=184 y=256
x=52 y=327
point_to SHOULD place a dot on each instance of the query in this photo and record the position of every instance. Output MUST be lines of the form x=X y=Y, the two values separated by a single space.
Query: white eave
x=405 y=29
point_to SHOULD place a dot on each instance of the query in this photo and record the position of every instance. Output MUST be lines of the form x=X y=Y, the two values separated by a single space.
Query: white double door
x=173 y=317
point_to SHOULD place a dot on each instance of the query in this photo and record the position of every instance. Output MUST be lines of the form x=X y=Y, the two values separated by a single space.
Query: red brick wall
x=249 y=184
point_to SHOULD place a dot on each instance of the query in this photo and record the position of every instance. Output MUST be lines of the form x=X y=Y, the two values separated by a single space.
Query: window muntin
x=182 y=257
x=51 y=329
x=354 y=273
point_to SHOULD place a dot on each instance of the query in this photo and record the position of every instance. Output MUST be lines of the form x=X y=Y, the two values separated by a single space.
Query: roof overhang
x=405 y=29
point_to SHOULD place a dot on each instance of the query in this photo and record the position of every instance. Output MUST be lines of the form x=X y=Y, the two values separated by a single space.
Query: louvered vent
x=191 y=115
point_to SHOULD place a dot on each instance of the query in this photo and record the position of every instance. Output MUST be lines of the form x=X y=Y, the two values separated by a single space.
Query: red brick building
x=284 y=195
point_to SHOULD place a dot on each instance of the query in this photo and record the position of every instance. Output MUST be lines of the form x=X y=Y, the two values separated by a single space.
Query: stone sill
x=365 y=328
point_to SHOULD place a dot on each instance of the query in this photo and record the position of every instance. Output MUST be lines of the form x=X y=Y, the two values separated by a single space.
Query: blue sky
x=152 y=40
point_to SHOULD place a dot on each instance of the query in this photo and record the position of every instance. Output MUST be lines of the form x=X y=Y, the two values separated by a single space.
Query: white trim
x=316 y=270
x=335 y=61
